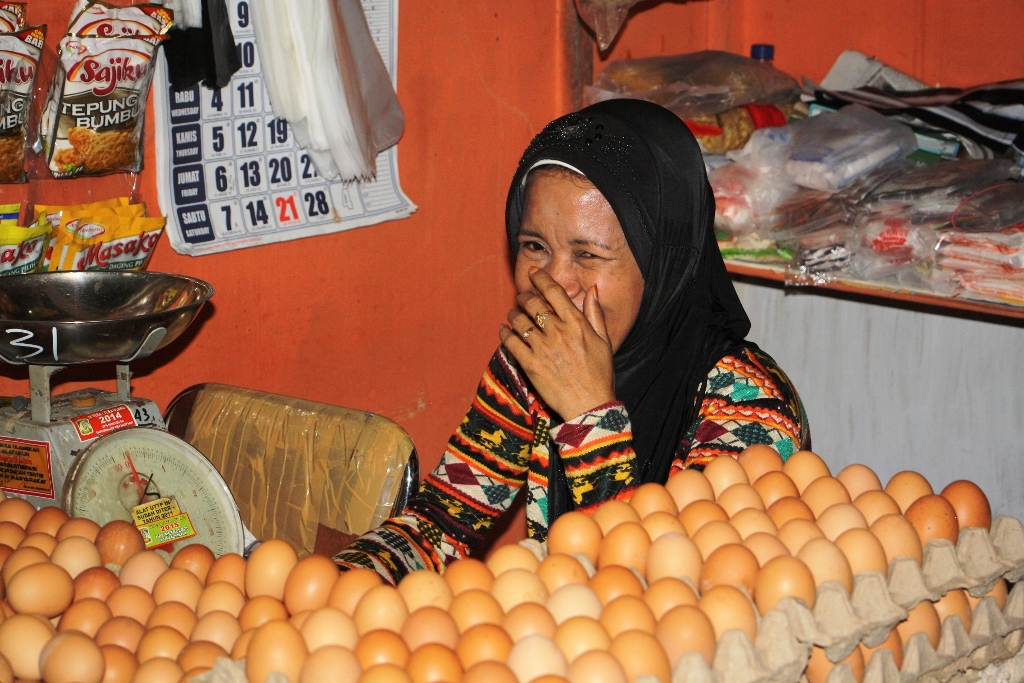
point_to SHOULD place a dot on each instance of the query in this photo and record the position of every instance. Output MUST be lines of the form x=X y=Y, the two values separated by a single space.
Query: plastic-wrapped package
x=20 y=66
x=994 y=208
x=755 y=249
x=997 y=253
x=833 y=150
x=604 y=17
x=745 y=196
x=820 y=257
x=693 y=84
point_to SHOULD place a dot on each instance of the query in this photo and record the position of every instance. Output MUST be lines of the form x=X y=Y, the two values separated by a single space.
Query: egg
x=875 y=504
x=262 y=610
x=561 y=570
x=310 y=582
x=117 y=541
x=580 y=635
x=241 y=647
x=381 y=607
x=826 y=562
x=752 y=521
x=535 y=656
x=22 y=639
x=75 y=554
x=672 y=555
x=511 y=556
x=970 y=503
x=796 y=532
x=489 y=672
x=433 y=663
x=178 y=585
x=350 y=588
x=384 y=673
x=611 y=582
x=765 y=547
x=898 y=537
x=473 y=607
x=229 y=567
x=329 y=626
x=268 y=568
x=666 y=593
x=688 y=486
x=574 y=600
x=160 y=641
x=700 y=512
x=16 y=510
x=803 y=467
x=627 y=613
x=823 y=493
x=331 y=664
x=685 y=628
x=893 y=643
x=299 y=618
x=575 y=532
x=430 y=624
x=44 y=542
x=659 y=523
x=220 y=628
x=86 y=528
x=195 y=558
x=121 y=631
x=97 y=582
x=740 y=497
x=483 y=643
x=954 y=602
x=728 y=608
x=905 y=487
x=174 y=615
x=19 y=559
x=933 y=517
x=200 y=654
x=780 y=578
x=43 y=589
x=472 y=574
x=131 y=601
x=998 y=593
x=11 y=534
x=142 y=570
x=220 y=596
x=650 y=498
x=627 y=544
x=276 y=646
x=819 y=666
x=119 y=664
x=786 y=509
x=863 y=551
x=85 y=616
x=730 y=565
x=640 y=654
x=527 y=619
x=381 y=647
x=71 y=657
x=758 y=460
x=596 y=666
x=611 y=513
x=517 y=586
x=424 y=588
x=922 y=618
x=714 y=535
x=724 y=471
x=839 y=518
x=859 y=478
x=772 y=486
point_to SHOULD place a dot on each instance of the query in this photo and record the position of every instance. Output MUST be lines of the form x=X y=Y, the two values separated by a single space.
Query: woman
x=625 y=357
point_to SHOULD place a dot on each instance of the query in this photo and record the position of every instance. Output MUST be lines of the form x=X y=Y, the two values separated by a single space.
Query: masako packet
x=111 y=239
x=21 y=249
x=53 y=215
x=102 y=19
x=94 y=115
x=19 y=62
x=12 y=16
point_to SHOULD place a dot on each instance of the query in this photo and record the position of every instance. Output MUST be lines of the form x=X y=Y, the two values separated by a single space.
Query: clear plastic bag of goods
x=834 y=149
x=994 y=208
x=693 y=84
x=1002 y=290
x=821 y=257
x=997 y=253
x=753 y=248
x=604 y=17
x=746 y=196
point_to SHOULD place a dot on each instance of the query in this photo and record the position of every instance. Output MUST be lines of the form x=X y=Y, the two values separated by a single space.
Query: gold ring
x=541 y=318
x=526 y=335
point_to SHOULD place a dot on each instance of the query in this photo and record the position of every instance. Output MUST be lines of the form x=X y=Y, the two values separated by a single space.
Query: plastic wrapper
x=102 y=19
x=19 y=65
x=732 y=129
x=746 y=196
x=12 y=16
x=992 y=209
x=604 y=17
x=9 y=214
x=993 y=252
x=695 y=84
x=53 y=215
x=833 y=150
x=752 y=248
x=121 y=238
x=21 y=249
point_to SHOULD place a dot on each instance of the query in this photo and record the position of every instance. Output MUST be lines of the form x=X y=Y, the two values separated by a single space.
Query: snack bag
x=110 y=239
x=21 y=249
x=94 y=115
x=19 y=61
x=9 y=214
x=63 y=245
x=12 y=16
x=53 y=215
x=102 y=19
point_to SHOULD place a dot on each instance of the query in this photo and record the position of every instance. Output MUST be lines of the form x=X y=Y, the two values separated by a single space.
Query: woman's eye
x=532 y=246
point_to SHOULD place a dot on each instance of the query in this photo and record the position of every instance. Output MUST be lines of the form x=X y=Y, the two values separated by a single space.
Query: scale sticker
x=94 y=425
x=155 y=511
x=25 y=467
x=166 y=531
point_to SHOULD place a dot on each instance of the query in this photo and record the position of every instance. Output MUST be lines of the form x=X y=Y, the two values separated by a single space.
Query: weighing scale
x=99 y=454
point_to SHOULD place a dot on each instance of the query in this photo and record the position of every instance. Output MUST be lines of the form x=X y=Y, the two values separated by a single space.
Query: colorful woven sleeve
x=480 y=473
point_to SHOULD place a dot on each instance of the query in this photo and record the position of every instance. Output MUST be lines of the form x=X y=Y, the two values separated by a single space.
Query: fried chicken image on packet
x=19 y=61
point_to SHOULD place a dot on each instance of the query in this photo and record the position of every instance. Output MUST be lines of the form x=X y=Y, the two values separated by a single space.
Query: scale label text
x=167 y=530
x=25 y=467
x=94 y=425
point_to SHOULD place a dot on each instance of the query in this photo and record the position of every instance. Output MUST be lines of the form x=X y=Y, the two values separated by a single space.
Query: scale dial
x=121 y=470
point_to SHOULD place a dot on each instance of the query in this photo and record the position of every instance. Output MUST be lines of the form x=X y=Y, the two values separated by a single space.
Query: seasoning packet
x=53 y=215
x=12 y=16
x=93 y=120
x=21 y=249
x=109 y=239
x=9 y=214
x=105 y=20
x=19 y=62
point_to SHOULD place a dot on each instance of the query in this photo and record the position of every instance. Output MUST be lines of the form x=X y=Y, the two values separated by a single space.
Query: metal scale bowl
x=100 y=454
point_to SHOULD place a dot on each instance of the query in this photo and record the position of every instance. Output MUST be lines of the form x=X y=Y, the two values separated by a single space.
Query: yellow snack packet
x=53 y=215
x=9 y=214
x=108 y=240
x=21 y=248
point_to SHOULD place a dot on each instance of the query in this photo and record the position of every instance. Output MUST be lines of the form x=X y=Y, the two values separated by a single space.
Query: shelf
x=883 y=293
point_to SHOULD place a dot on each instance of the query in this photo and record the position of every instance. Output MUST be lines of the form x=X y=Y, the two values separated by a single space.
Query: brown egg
x=158 y=670
x=713 y=536
x=954 y=602
x=921 y=619
x=595 y=666
x=893 y=643
x=727 y=608
x=310 y=582
x=612 y=513
x=687 y=486
x=329 y=626
x=299 y=618
x=472 y=574
x=627 y=613
x=765 y=547
x=573 y=600
x=575 y=532
x=11 y=534
x=775 y=485
x=424 y=588
x=820 y=666
x=863 y=551
x=803 y=467
x=489 y=672
x=650 y=498
x=740 y=497
x=839 y=518
x=86 y=528
x=826 y=562
x=218 y=627
x=685 y=628
x=676 y=556
x=131 y=601
x=330 y=664
x=780 y=578
x=175 y=615
x=580 y=635
x=350 y=588
x=384 y=673
x=201 y=653
x=117 y=541
x=241 y=646
x=898 y=537
x=222 y=596
x=119 y=664
x=473 y=607
x=178 y=585
x=535 y=656
x=724 y=471
x=229 y=567
x=98 y=582
x=483 y=643
x=381 y=607
x=196 y=558
x=970 y=503
x=261 y=610
x=430 y=624
x=823 y=493
x=666 y=593
x=75 y=555
x=859 y=478
x=44 y=589
x=121 y=631
x=22 y=639
x=658 y=524
x=71 y=657
x=561 y=570
x=6 y=551
x=730 y=565
x=640 y=654
x=700 y=512
x=933 y=517
x=268 y=567
x=796 y=532
x=905 y=487
x=142 y=570
x=19 y=559
x=786 y=509
x=627 y=544
x=381 y=647
x=17 y=510
x=758 y=460
x=752 y=521
x=276 y=646
x=517 y=586
x=86 y=616
x=44 y=542
x=527 y=619
x=875 y=504
x=998 y=592
x=160 y=641
x=511 y=556
x=433 y=663
x=611 y=582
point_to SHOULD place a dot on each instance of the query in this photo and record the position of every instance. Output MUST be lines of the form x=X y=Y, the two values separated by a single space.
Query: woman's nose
x=563 y=273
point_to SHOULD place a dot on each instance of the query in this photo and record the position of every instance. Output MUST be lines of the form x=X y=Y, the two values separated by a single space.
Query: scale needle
x=135 y=477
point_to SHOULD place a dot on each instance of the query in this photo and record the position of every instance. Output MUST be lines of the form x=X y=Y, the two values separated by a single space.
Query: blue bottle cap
x=762 y=52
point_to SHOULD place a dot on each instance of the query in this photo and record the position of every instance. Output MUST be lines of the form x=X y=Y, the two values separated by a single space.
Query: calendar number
x=280 y=170
x=243 y=15
x=258 y=216
x=316 y=203
x=251 y=176
x=247 y=54
x=278 y=131
x=247 y=131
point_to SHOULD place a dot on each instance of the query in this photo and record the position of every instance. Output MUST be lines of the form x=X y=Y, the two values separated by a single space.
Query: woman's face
x=570 y=230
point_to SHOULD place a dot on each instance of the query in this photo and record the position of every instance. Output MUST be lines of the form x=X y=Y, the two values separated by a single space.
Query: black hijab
x=647 y=164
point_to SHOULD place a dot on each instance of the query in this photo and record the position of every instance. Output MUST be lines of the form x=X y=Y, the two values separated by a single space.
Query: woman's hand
x=566 y=353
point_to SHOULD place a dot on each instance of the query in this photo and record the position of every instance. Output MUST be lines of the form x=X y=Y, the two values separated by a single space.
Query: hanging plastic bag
x=18 y=69
x=12 y=16
x=604 y=17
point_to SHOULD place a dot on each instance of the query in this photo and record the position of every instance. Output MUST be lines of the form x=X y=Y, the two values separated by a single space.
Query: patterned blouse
x=505 y=440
